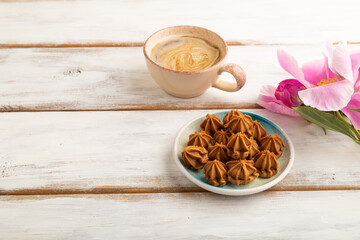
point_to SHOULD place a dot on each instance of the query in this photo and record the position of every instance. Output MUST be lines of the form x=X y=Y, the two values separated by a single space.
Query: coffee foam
x=185 y=53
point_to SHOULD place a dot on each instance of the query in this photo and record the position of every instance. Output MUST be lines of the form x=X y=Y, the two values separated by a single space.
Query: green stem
x=355 y=131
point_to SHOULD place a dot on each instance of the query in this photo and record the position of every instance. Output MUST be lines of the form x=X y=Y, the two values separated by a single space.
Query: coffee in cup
x=186 y=60
x=185 y=53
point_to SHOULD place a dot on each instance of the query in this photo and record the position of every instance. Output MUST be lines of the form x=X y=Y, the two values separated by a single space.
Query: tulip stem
x=353 y=129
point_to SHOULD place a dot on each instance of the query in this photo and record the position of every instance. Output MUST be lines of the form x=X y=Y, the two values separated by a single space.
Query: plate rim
x=235 y=192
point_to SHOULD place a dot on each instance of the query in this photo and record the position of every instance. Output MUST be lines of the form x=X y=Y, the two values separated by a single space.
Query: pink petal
x=341 y=62
x=329 y=97
x=328 y=50
x=353 y=116
x=314 y=71
x=267 y=100
x=289 y=64
x=355 y=62
x=329 y=73
x=357 y=85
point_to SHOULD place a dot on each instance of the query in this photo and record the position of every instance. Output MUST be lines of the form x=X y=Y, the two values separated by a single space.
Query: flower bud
x=287 y=92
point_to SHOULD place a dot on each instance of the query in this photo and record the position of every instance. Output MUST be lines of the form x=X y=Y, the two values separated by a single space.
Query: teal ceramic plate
x=258 y=185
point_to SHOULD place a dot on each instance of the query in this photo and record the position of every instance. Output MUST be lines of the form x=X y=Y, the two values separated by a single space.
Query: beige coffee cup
x=187 y=84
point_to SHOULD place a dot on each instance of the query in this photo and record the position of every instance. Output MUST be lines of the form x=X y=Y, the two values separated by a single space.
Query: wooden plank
x=130 y=151
x=269 y=215
x=117 y=78
x=248 y=22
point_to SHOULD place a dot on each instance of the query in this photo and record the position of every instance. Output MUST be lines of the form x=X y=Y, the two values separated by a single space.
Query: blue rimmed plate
x=258 y=185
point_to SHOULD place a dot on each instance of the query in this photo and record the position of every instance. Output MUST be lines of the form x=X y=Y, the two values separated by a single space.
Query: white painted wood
x=117 y=78
x=85 y=151
x=270 y=215
x=250 y=21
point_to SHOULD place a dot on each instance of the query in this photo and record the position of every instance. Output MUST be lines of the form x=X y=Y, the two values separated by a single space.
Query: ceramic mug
x=187 y=84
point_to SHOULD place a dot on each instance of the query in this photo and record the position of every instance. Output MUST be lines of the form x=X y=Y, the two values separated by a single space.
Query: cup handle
x=238 y=74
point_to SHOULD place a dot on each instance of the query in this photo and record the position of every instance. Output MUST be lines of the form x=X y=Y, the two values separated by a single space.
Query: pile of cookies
x=236 y=150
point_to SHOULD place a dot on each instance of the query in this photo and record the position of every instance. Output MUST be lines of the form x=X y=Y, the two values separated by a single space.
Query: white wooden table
x=86 y=134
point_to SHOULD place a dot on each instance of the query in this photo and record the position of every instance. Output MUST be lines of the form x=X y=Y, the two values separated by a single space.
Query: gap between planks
x=135 y=107
x=14 y=1
x=114 y=190
x=136 y=44
x=110 y=44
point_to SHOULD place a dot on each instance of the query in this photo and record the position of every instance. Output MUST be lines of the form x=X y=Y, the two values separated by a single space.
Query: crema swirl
x=184 y=53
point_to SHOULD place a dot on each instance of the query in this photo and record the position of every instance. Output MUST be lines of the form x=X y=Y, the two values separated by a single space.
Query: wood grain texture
x=130 y=151
x=269 y=215
x=249 y=22
x=117 y=79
